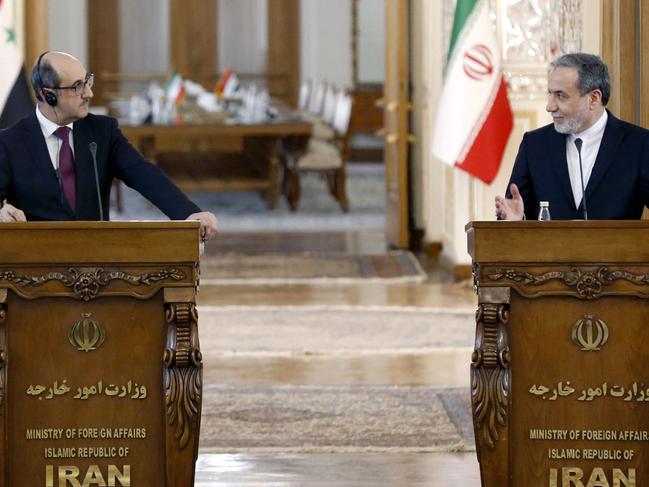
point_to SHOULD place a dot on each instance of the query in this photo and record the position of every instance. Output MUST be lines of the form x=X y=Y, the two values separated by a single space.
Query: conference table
x=225 y=155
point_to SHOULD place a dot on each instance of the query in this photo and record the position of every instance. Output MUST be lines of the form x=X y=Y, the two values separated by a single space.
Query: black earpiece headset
x=50 y=96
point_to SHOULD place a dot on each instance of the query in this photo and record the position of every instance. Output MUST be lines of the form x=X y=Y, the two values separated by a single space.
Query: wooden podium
x=100 y=365
x=560 y=375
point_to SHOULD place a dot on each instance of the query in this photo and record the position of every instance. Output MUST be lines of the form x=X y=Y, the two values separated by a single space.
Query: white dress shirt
x=591 y=140
x=53 y=142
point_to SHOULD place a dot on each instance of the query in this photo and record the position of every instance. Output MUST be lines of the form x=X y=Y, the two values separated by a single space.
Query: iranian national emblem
x=478 y=62
x=87 y=334
x=589 y=334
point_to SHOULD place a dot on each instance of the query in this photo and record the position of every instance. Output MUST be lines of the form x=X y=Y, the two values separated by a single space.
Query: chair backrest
x=330 y=104
x=343 y=113
x=317 y=98
x=303 y=99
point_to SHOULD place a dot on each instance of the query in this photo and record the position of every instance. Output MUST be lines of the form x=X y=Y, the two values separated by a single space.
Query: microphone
x=578 y=143
x=93 y=151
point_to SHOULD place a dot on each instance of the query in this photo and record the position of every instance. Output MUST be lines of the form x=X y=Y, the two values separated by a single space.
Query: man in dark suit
x=584 y=147
x=47 y=168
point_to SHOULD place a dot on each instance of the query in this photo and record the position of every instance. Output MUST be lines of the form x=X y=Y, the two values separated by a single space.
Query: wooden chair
x=330 y=103
x=318 y=105
x=323 y=125
x=316 y=100
x=303 y=99
x=326 y=157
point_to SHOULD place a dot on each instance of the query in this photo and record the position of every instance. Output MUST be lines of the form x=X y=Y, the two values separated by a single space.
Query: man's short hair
x=592 y=72
x=44 y=76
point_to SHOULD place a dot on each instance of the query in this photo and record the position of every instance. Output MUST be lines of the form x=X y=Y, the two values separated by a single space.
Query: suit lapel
x=559 y=161
x=610 y=142
x=37 y=148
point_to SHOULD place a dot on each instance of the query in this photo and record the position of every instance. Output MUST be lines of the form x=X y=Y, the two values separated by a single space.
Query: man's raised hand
x=510 y=208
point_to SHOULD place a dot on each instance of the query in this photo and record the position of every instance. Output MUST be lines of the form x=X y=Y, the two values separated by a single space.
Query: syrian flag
x=474 y=119
x=15 y=99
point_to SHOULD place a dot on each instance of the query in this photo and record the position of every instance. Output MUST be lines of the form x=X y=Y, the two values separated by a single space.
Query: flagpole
x=474 y=199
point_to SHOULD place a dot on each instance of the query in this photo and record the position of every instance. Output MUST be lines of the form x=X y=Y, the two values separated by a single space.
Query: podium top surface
x=569 y=241
x=99 y=242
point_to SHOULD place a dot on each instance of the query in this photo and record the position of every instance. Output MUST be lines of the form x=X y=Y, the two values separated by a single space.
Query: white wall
x=326 y=41
x=66 y=30
x=19 y=13
x=371 y=41
x=428 y=177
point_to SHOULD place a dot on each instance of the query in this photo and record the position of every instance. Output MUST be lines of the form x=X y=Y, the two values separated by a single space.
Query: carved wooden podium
x=560 y=375
x=100 y=366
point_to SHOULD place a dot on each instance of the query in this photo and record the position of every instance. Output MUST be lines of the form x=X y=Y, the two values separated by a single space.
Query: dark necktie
x=66 y=166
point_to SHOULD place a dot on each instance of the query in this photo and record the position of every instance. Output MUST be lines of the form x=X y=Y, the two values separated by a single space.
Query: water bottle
x=544 y=211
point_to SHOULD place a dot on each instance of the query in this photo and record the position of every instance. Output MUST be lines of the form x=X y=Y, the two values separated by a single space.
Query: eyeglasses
x=79 y=86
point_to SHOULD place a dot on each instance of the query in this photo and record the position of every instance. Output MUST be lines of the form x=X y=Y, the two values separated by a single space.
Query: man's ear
x=595 y=97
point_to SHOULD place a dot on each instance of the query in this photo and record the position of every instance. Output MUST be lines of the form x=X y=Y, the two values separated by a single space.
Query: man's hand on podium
x=9 y=213
x=510 y=208
x=209 y=224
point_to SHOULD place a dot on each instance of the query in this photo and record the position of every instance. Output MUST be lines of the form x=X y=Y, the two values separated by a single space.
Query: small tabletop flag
x=175 y=90
x=227 y=85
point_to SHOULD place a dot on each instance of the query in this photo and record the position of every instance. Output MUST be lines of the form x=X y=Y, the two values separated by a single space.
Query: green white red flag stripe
x=15 y=99
x=228 y=84
x=175 y=90
x=474 y=118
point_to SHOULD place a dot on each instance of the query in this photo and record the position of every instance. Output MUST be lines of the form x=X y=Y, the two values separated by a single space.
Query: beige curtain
x=243 y=35
x=144 y=39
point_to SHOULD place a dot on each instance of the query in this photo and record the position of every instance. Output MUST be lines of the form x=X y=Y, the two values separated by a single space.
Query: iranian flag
x=15 y=99
x=474 y=119
x=228 y=84
x=175 y=90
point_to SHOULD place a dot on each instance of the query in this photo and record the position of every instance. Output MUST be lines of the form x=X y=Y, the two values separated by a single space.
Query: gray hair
x=592 y=73
x=43 y=76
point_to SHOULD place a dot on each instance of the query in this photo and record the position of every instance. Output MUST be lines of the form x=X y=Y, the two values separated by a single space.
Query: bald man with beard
x=47 y=170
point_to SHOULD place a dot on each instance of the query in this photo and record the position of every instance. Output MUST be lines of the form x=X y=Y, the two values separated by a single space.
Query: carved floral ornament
x=490 y=374
x=183 y=372
x=87 y=282
x=586 y=283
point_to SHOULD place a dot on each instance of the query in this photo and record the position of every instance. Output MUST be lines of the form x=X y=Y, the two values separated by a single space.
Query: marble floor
x=341 y=469
x=446 y=367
